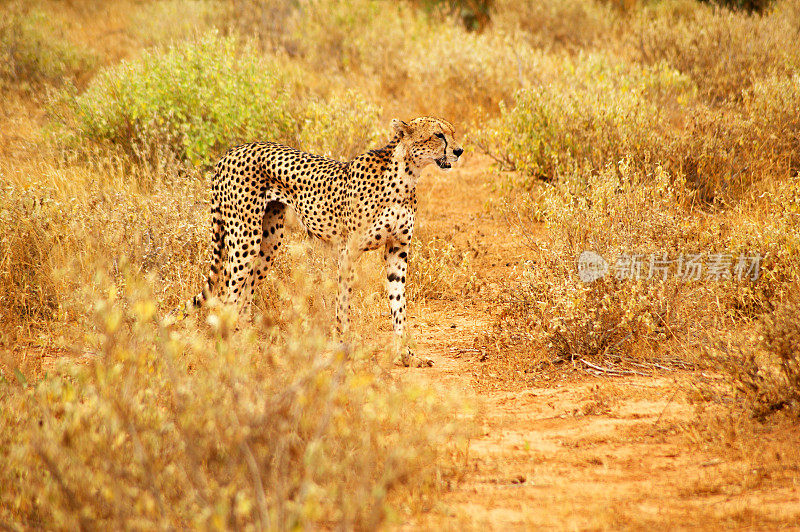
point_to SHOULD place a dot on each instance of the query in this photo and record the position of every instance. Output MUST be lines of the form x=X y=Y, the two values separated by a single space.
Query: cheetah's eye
x=440 y=135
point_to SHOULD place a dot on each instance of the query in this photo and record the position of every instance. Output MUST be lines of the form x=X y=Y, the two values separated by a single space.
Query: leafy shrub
x=198 y=97
x=33 y=50
x=596 y=113
x=165 y=426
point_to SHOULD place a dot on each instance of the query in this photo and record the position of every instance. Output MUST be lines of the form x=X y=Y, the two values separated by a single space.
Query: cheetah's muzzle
x=443 y=164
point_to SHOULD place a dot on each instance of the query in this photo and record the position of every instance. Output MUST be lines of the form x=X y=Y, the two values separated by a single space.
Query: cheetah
x=360 y=205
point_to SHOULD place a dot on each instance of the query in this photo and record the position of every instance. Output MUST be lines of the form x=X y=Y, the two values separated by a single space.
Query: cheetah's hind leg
x=271 y=238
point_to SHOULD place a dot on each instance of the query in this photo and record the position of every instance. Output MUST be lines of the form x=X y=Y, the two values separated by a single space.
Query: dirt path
x=585 y=453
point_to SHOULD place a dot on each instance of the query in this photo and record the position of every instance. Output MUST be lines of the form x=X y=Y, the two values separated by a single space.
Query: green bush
x=199 y=97
x=33 y=50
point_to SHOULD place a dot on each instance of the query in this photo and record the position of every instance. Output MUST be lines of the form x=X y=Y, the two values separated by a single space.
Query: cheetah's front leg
x=396 y=257
x=346 y=260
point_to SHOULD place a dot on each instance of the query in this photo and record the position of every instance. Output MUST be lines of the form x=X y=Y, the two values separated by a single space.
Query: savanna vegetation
x=659 y=129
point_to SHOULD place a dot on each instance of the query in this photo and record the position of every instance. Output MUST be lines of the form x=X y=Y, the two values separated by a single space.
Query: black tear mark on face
x=441 y=136
x=442 y=162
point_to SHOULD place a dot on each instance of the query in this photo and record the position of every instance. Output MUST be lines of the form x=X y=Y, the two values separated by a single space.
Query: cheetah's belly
x=318 y=215
x=393 y=224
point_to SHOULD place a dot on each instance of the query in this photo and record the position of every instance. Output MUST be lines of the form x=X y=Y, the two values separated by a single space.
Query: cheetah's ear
x=400 y=128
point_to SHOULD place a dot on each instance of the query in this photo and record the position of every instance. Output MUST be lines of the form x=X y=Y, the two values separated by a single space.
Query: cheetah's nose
x=458 y=151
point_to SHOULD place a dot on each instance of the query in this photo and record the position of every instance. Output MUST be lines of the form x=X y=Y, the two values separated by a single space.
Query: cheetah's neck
x=407 y=171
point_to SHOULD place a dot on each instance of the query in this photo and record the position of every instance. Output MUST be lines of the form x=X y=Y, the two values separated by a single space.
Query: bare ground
x=575 y=451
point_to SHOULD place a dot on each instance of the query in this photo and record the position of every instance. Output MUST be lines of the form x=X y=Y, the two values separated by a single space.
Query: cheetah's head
x=429 y=140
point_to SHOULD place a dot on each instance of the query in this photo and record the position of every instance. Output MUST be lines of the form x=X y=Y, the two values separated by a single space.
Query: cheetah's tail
x=217 y=244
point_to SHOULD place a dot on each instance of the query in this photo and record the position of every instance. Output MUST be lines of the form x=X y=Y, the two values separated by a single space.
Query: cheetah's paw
x=409 y=359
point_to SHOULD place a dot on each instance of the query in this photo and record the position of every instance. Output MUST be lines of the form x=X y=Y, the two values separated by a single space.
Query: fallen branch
x=614 y=371
x=601 y=368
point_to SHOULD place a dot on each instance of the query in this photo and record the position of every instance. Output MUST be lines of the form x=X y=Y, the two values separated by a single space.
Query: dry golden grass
x=622 y=127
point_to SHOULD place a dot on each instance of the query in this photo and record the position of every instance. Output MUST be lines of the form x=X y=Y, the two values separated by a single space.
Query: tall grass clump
x=475 y=15
x=61 y=222
x=413 y=63
x=570 y=25
x=722 y=51
x=747 y=5
x=724 y=150
x=34 y=50
x=341 y=124
x=774 y=104
x=171 y=426
x=168 y=21
x=32 y=222
x=438 y=270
